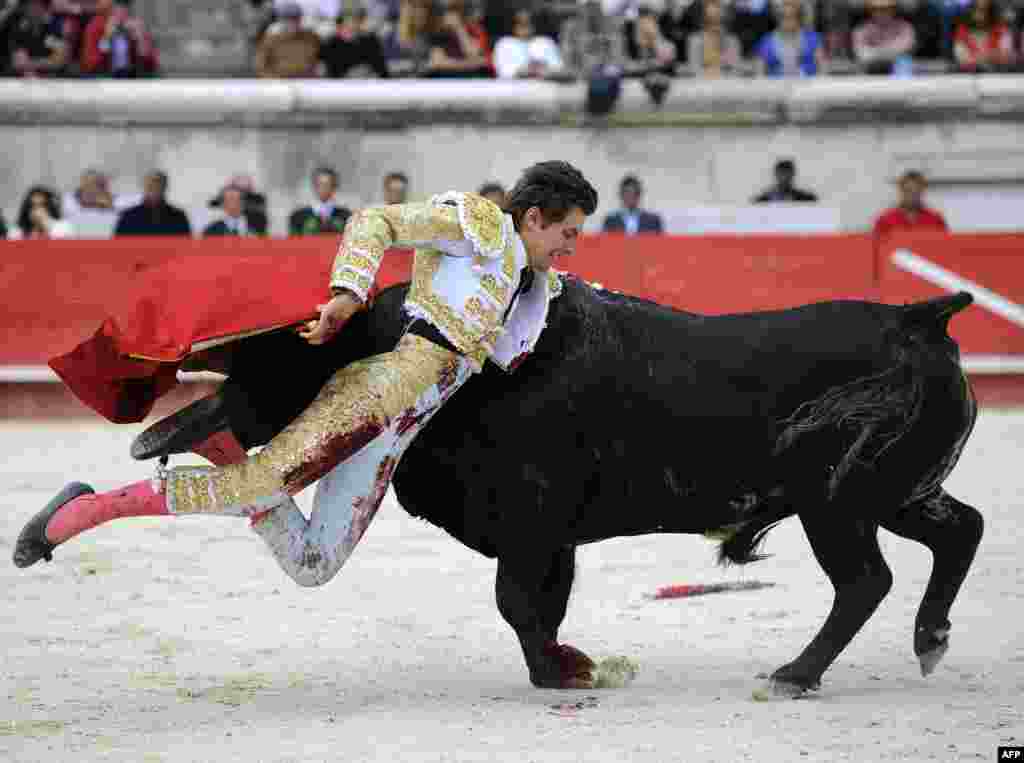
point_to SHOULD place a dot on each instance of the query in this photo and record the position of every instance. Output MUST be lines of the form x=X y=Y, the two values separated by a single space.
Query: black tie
x=525 y=282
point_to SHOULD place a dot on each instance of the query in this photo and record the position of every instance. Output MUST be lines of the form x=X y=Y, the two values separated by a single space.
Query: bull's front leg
x=533 y=593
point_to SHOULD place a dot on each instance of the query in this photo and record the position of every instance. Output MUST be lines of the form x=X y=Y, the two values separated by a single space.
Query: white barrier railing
x=195 y=101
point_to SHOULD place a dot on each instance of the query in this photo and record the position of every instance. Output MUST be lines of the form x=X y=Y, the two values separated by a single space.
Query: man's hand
x=333 y=316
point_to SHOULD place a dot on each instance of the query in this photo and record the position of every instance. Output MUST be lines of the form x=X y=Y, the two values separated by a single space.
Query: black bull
x=633 y=418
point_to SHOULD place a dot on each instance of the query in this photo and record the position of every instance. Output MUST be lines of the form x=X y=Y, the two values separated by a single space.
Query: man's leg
x=391 y=394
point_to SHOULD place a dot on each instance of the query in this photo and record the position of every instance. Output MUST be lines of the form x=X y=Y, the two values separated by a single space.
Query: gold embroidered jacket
x=466 y=268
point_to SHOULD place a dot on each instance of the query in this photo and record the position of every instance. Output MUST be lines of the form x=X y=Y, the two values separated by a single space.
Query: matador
x=481 y=286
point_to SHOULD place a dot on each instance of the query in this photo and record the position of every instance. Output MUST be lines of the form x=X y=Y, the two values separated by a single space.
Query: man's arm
x=371 y=232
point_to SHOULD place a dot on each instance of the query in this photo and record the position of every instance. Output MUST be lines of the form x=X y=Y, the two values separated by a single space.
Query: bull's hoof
x=784 y=683
x=32 y=544
x=931 y=645
x=566 y=668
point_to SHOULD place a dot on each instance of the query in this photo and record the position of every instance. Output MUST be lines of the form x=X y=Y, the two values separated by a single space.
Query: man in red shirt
x=911 y=214
x=116 y=42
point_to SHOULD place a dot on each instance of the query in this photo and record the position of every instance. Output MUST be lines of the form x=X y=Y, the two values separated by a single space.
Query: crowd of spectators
x=86 y=38
x=597 y=40
x=244 y=212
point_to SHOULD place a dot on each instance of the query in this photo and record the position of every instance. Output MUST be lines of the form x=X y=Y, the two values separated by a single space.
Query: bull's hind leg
x=533 y=594
x=847 y=550
x=951 y=530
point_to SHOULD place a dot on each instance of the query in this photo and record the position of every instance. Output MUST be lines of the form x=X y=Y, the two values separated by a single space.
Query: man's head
x=631 y=190
x=494 y=192
x=882 y=9
x=785 y=173
x=325 y=183
x=232 y=200
x=154 y=188
x=912 y=187
x=522 y=25
x=548 y=206
x=396 y=188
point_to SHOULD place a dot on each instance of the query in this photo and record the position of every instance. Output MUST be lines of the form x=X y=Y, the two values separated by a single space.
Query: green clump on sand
x=614 y=673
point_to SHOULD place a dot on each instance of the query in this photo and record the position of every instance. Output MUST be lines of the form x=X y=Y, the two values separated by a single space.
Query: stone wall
x=708 y=146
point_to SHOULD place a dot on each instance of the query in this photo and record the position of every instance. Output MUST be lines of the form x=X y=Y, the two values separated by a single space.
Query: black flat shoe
x=181 y=431
x=32 y=544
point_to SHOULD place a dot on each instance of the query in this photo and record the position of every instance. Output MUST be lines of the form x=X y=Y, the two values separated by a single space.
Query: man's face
x=324 y=187
x=911 y=193
x=232 y=202
x=153 y=189
x=883 y=10
x=630 y=196
x=545 y=241
x=394 y=191
x=784 y=177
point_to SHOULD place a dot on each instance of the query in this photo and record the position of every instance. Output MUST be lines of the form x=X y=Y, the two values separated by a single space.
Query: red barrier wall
x=56 y=293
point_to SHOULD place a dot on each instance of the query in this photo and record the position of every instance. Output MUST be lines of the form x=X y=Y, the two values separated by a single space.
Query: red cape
x=189 y=304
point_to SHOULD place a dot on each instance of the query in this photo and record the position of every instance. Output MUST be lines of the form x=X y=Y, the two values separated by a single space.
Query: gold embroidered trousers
x=352 y=435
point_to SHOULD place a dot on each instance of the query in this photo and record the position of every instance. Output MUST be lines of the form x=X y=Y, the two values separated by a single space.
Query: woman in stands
x=39 y=217
x=794 y=49
x=982 y=40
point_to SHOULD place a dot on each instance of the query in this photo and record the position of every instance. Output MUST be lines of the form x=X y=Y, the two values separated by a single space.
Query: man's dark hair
x=487 y=188
x=325 y=171
x=785 y=164
x=631 y=181
x=553 y=187
x=396 y=176
x=915 y=175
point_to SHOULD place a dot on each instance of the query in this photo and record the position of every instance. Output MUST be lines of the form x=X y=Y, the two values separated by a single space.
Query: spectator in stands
x=254 y=204
x=794 y=49
x=154 y=216
x=37 y=44
x=524 y=54
x=233 y=223
x=784 y=188
x=459 y=47
x=408 y=47
x=39 y=217
x=750 y=20
x=677 y=22
x=396 y=188
x=493 y=192
x=650 y=55
x=593 y=48
x=648 y=50
x=290 y=50
x=713 y=51
x=117 y=44
x=884 y=43
x=631 y=219
x=592 y=41
x=325 y=216
x=982 y=40
x=911 y=214
x=353 y=46
x=93 y=194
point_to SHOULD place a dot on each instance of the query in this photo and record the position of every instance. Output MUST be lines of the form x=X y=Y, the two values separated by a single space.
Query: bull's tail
x=849 y=427
x=853 y=424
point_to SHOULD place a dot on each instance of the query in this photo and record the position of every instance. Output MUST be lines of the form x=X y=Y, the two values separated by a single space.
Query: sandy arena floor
x=180 y=640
